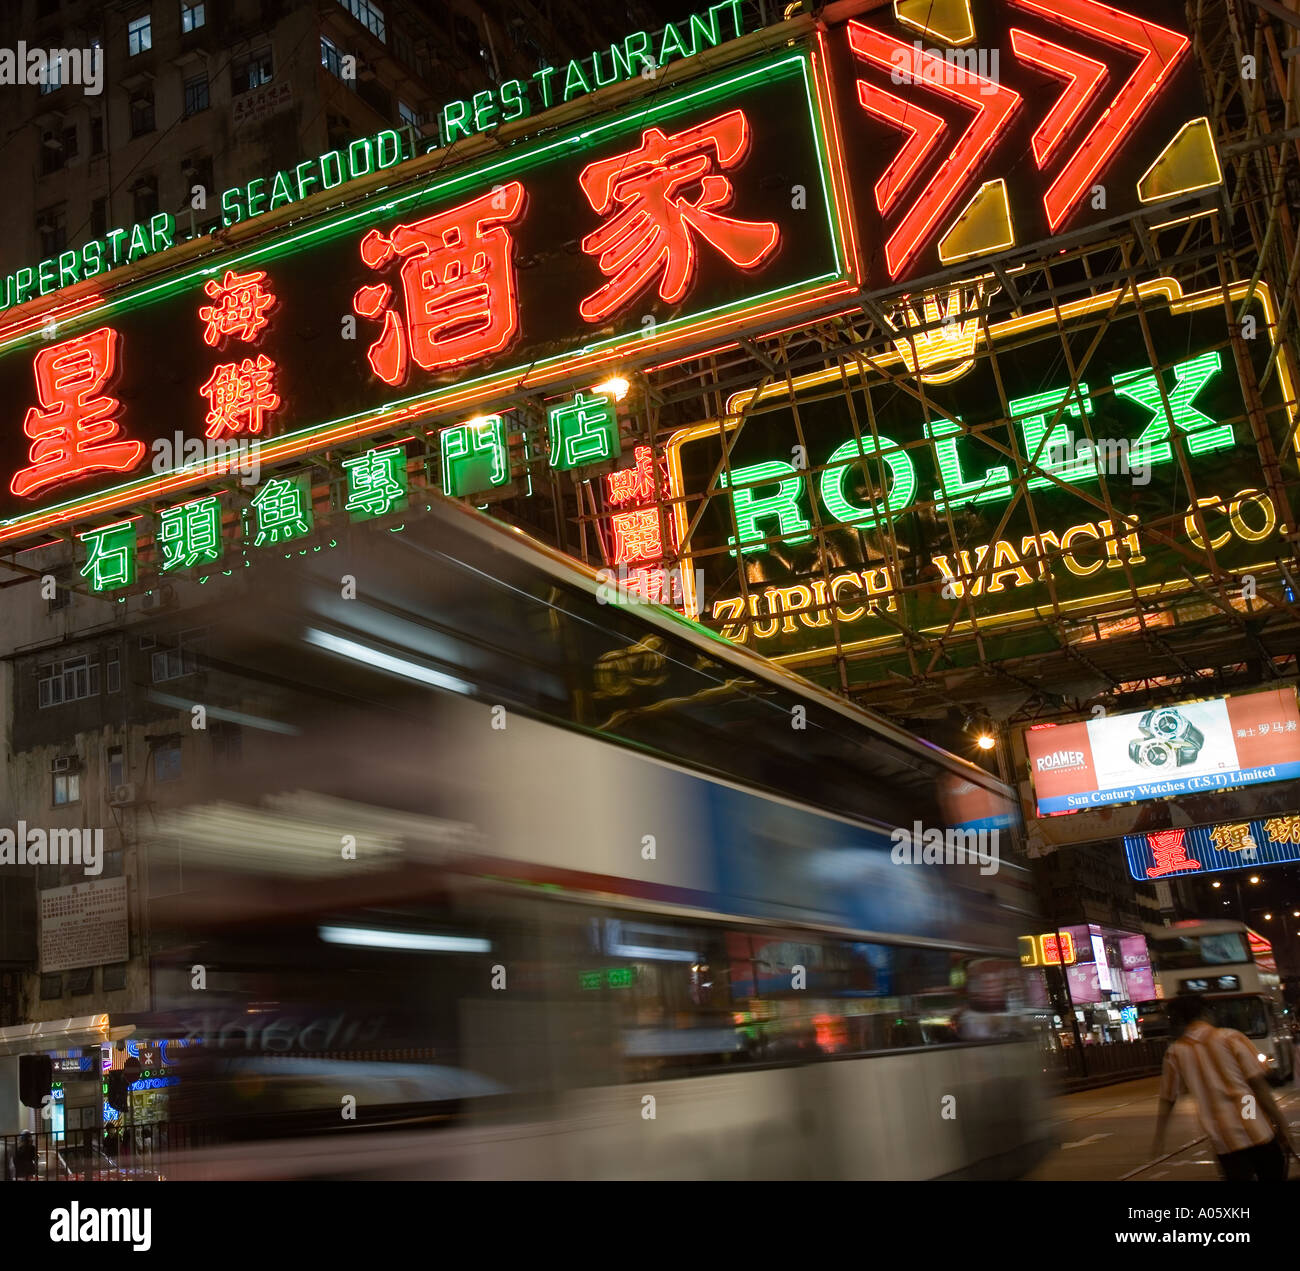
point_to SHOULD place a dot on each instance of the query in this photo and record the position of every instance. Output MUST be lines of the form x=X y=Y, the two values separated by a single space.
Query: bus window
x=1220 y=948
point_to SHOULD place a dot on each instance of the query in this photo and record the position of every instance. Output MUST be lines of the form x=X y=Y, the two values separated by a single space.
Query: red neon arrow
x=1160 y=49
x=1084 y=74
x=994 y=104
x=924 y=127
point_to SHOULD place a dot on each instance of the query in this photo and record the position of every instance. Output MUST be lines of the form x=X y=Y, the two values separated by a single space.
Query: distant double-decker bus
x=1218 y=961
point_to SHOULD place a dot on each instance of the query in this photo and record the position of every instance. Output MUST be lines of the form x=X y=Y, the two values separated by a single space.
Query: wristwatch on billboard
x=1169 y=740
x=1172 y=725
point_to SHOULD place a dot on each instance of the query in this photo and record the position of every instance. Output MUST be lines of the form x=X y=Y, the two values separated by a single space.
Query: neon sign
x=461 y=293
x=1214 y=849
x=652 y=234
x=75 y=429
x=937 y=514
x=117 y=247
x=1056 y=948
x=935 y=138
x=640 y=54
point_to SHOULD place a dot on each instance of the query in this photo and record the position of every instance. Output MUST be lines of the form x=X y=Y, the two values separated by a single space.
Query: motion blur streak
x=588 y=906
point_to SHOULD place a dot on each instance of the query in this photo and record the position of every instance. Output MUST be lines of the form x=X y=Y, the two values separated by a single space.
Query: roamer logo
x=1060 y=759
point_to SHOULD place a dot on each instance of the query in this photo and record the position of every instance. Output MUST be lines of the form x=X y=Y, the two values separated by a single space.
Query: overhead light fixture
x=616 y=387
x=381 y=661
x=415 y=941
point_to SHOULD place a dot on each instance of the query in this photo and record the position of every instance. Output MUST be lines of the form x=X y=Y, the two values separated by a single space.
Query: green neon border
x=349 y=220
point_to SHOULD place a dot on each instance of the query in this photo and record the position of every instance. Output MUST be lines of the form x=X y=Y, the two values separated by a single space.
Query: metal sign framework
x=1198 y=633
x=1194 y=634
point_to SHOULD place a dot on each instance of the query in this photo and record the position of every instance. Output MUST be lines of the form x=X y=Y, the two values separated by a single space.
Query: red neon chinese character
x=1169 y=851
x=239 y=394
x=632 y=485
x=240 y=309
x=73 y=429
x=458 y=286
x=653 y=230
x=637 y=536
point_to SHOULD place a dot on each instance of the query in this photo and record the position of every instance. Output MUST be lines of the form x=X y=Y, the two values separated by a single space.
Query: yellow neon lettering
x=761 y=630
x=1239 y=522
x=1086 y=530
x=731 y=607
x=857 y=613
x=1005 y=554
x=1189 y=523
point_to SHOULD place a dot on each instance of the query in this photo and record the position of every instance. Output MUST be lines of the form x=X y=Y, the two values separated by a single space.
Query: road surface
x=1106 y=1134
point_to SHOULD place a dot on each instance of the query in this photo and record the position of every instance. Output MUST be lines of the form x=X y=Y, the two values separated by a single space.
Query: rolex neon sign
x=770 y=497
x=903 y=507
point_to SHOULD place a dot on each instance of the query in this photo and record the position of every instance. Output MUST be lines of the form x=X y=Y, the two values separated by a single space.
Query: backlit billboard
x=1165 y=752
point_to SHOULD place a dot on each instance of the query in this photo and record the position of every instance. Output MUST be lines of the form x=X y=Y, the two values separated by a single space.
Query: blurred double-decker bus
x=499 y=873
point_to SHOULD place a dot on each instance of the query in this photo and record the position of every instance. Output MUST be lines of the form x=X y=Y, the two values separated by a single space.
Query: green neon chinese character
x=474 y=456
x=376 y=482
x=583 y=431
x=283 y=511
x=110 y=556
x=190 y=534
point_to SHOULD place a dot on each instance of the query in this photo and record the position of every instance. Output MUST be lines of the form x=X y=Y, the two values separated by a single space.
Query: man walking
x=1218 y=1068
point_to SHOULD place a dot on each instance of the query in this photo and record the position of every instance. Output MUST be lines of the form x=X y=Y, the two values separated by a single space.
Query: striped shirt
x=1214 y=1066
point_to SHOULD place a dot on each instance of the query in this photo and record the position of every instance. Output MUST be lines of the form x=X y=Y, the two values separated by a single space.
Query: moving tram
x=495 y=875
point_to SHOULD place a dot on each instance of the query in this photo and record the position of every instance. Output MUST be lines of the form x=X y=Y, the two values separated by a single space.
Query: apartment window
x=172 y=663
x=167 y=762
x=114 y=976
x=251 y=71
x=51 y=986
x=193 y=16
x=371 y=16
x=406 y=51
x=112 y=864
x=61 y=599
x=97 y=134
x=70 y=143
x=330 y=57
x=139 y=35
x=113 y=672
x=66 y=784
x=197 y=170
x=98 y=217
x=53 y=80
x=144 y=197
x=54 y=149
x=52 y=227
x=116 y=767
x=407 y=116
x=142 y=114
x=196 y=95
x=67 y=681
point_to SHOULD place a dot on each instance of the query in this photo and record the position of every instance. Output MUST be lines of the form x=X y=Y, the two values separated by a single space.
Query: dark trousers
x=1265 y=1163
